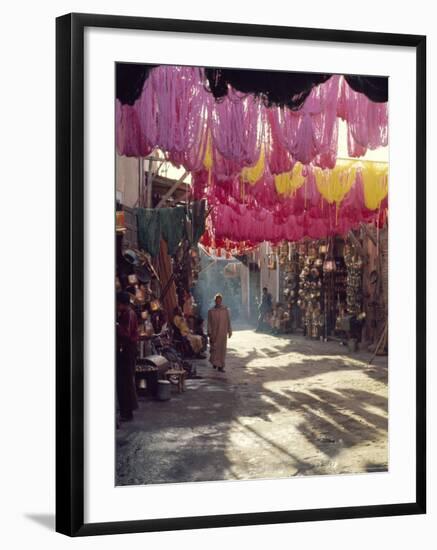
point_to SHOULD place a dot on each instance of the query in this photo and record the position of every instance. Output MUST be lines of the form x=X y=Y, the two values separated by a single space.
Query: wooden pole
x=171 y=190
x=381 y=341
x=149 y=185
x=140 y=180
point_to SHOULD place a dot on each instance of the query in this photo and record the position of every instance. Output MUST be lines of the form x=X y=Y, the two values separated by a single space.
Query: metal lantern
x=323 y=249
x=329 y=265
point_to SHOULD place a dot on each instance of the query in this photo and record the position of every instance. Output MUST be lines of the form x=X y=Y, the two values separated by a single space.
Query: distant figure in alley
x=219 y=330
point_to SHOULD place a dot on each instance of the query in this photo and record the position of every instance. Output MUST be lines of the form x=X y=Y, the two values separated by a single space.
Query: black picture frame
x=70 y=272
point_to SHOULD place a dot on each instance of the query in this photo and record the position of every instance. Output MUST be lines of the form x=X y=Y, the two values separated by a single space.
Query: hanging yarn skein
x=176 y=113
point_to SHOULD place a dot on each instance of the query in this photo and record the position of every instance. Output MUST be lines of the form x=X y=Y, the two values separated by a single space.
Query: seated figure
x=181 y=325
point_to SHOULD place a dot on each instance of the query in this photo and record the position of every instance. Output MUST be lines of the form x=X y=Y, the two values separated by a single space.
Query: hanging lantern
x=323 y=249
x=329 y=265
x=120 y=220
x=312 y=251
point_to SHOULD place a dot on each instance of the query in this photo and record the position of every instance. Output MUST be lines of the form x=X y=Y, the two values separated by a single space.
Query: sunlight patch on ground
x=379 y=410
x=315 y=378
x=293 y=358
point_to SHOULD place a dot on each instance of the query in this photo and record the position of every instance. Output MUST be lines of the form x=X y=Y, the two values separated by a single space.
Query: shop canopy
x=267 y=161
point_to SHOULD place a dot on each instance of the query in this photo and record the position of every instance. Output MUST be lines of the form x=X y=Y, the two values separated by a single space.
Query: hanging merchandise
x=182 y=272
x=354 y=265
x=254 y=173
x=236 y=128
x=268 y=172
x=196 y=215
x=240 y=223
x=305 y=202
x=310 y=294
x=176 y=113
x=367 y=121
x=271 y=262
x=149 y=230
x=375 y=184
x=172 y=226
x=287 y=183
x=335 y=184
x=289 y=259
x=312 y=130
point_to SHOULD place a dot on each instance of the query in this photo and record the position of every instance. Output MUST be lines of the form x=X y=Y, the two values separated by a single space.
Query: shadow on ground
x=285 y=407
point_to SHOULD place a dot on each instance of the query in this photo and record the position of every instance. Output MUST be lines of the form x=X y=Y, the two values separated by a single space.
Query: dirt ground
x=285 y=406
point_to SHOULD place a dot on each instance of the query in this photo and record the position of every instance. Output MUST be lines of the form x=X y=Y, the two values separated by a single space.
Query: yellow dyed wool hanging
x=288 y=182
x=252 y=174
x=207 y=161
x=375 y=183
x=336 y=183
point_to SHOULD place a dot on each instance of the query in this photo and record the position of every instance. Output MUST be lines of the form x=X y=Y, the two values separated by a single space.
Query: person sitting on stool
x=194 y=339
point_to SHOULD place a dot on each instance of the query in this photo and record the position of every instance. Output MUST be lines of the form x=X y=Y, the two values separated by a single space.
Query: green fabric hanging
x=173 y=227
x=149 y=230
x=197 y=216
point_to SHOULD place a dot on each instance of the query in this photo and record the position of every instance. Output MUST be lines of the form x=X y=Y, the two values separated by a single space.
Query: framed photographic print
x=240 y=274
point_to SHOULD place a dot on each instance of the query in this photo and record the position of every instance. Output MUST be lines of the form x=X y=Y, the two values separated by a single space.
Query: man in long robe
x=219 y=330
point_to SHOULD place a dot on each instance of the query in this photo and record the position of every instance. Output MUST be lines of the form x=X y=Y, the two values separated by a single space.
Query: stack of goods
x=340 y=280
x=354 y=266
x=137 y=276
x=289 y=263
x=182 y=272
x=310 y=293
x=195 y=264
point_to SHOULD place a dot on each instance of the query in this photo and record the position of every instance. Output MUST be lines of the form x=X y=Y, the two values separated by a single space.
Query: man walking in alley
x=219 y=330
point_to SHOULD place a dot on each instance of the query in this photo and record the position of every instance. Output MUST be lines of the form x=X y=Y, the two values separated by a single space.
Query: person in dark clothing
x=265 y=308
x=127 y=337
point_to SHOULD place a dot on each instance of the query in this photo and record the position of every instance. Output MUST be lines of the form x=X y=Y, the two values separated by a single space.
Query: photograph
x=251 y=237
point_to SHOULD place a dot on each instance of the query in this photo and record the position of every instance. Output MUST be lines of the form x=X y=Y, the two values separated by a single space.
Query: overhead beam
x=172 y=190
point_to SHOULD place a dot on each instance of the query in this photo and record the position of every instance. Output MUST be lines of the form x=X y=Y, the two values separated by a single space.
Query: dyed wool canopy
x=305 y=202
x=270 y=172
x=367 y=122
x=176 y=113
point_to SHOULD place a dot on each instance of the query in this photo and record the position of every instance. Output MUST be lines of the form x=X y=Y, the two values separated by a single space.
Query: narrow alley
x=286 y=406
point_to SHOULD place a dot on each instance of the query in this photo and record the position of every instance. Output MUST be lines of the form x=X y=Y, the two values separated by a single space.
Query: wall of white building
x=127 y=174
